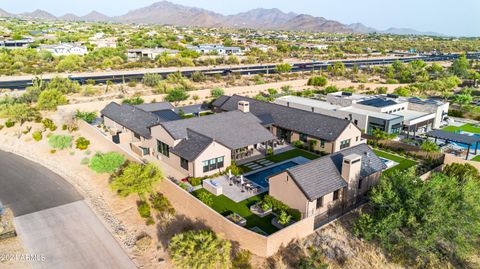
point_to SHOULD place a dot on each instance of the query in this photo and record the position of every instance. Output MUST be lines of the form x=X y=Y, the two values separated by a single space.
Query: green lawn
x=287 y=155
x=225 y=206
x=471 y=128
x=476 y=158
x=403 y=163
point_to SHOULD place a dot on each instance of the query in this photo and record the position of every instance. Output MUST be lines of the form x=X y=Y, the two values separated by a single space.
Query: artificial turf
x=225 y=206
x=471 y=128
x=403 y=163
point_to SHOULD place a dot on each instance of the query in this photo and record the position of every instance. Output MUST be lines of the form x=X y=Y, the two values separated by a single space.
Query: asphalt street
x=53 y=221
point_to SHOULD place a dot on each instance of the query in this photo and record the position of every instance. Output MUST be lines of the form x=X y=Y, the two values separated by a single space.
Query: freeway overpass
x=125 y=76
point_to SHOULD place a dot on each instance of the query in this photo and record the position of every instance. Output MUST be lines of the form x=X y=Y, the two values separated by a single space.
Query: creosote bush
x=106 y=162
x=60 y=141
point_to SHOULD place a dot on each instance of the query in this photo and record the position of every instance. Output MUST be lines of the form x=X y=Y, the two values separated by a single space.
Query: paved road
x=54 y=221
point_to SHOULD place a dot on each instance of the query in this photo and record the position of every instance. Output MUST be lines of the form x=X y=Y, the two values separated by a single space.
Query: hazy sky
x=452 y=17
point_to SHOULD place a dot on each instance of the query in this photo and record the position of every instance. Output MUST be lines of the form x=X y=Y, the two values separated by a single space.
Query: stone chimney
x=244 y=106
x=351 y=168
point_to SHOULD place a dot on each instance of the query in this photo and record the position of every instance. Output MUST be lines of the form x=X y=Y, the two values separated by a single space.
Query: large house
x=291 y=124
x=202 y=146
x=216 y=48
x=65 y=49
x=331 y=182
x=389 y=113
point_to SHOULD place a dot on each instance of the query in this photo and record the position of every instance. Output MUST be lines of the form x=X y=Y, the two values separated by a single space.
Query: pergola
x=455 y=137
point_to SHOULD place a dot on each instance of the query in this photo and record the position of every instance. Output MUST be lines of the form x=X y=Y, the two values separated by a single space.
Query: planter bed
x=280 y=226
x=237 y=219
x=257 y=210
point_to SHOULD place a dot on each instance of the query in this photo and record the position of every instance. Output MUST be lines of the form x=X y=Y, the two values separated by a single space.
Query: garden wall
x=96 y=137
x=449 y=158
x=258 y=244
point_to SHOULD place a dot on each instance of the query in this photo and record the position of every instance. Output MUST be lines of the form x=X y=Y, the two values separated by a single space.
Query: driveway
x=53 y=220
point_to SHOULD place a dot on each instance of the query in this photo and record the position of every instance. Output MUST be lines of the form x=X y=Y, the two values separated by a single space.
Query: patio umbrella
x=241 y=182
x=230 y=177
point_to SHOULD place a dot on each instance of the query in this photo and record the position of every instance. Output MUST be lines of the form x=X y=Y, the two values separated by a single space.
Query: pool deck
x=234 y=192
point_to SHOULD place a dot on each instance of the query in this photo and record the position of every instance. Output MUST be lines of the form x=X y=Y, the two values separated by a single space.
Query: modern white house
x=65 y=49
x=389 y=113
x=216 y=48
x=150 y=53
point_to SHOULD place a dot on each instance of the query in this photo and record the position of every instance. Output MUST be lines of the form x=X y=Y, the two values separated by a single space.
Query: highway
x=125 y=76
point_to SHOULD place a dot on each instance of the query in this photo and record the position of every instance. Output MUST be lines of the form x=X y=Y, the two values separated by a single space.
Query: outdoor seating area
x=237 y=188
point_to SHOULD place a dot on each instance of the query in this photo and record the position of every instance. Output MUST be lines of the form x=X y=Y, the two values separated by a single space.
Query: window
x=184 y=163
x=163 y=148
x=355 y=122
x=336 y=194
x=345 y=144
x=360 y=184
x=212 y=164
x=303 y=137
x=356 y=139
x=322 y=143
x=137 y=136
x=320 y=202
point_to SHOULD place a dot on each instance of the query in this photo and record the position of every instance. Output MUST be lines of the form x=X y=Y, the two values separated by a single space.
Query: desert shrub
x=106 y=162
x=143 y=209
x=133 y=101
x=151 y=80
x=82 y=143
x=136 y=178
x=60 y=141
x=53 y=151
x=195 y=181
x=132 y=83
x=242 y=260
x=317 y=81
x=64 y=127
x=49 y=124
x=217 y=92
x=199 y=249
x=206 y=198
x=455 y=113
x=37 y=136
x=89 y=117
x=9 y=123
x=85 y=161
x=1 y=126
x=161 y=204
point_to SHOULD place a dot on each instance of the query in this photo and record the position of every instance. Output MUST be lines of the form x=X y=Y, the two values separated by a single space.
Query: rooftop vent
x=390 y=95
x=346 y=94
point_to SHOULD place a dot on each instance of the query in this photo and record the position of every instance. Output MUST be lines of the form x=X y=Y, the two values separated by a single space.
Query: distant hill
x=167 y=13
x=95 y=16
x=38 y=14
x=3 y=13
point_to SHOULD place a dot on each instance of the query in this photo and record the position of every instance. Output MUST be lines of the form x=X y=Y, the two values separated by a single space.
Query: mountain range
x=168 y=13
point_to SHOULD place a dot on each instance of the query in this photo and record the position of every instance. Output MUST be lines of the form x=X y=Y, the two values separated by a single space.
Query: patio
x=233 y=189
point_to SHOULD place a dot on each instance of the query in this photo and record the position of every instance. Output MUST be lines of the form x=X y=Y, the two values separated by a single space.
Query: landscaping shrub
x=49 y=124
x=106 y=162
x=82 y=143
x=37 y=136
x=9 y=123
x=195 y=181
x=89 y=117
x=206 y=198
x=161 y=204
x=136 y=178
x=60 y=141
x=53 y=151
x=284 y=218
x=143 y=209
x=242 y=260
x=455 y=113
x=1 y=126
x=297 y=144
x=278 y=207
x=133 y=101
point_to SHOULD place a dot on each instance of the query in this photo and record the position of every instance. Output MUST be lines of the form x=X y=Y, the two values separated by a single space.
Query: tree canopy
x=136 y=178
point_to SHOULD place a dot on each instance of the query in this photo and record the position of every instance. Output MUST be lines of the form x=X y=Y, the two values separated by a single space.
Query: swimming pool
x=466 y=146
x=260 y=177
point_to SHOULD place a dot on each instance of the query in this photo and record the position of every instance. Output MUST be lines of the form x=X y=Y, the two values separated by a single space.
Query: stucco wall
x=283 y=188
x=215 y=150
x=352 y=133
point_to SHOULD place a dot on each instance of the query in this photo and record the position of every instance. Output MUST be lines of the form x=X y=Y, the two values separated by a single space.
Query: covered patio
x=467 y=140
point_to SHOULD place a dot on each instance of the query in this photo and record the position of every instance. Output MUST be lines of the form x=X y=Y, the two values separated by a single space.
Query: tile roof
x=322 y=176
x=132 y=118
x=192 y=146
x=313 y=124
x=192 y=109
x=152 y=107
x=233 y=129
x=166 y=115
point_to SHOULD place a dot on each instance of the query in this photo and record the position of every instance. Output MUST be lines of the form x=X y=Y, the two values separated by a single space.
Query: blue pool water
x=260 y=177
x=465 y=146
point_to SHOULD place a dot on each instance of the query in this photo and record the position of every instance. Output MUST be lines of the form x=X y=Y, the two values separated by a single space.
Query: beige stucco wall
x=215 y=150
x=158 y=132
x=283 y=188
x=351 y=132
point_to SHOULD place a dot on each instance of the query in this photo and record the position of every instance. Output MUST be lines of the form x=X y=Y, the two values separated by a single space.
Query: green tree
x=199 y=250
x=338 y=69
x=460 y=67
x=60 y=141
x=402 y=91
x=20 y=112
x=461 y=171
x=430 y=147
x=106 y=162
x=462 y=99
x=176 y=96
x=50 y=99
x=136 y=178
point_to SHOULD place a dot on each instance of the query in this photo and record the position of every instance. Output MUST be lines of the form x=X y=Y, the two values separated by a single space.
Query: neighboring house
x=290 y=124
x=65 y=49
x=14 y=44
x=325 y=186
x=215 y=48
x=388 y=113
x=104 y=42
x=137 y=54
x=262 y=47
